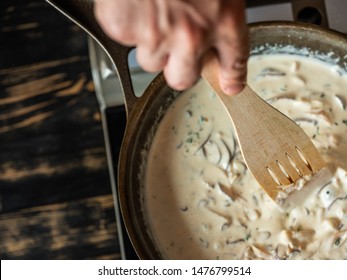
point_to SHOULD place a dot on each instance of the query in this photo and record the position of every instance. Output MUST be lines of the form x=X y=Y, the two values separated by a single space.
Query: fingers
x=152 y=60
x=173 y=35
x=129 y=22
x=166 y=36
x=115 y=18
x=232 y=47
x=184 y=62
x=135 y=23
x=152 y=45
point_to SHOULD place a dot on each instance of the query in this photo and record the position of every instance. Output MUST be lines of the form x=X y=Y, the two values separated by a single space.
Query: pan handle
x=81 y=12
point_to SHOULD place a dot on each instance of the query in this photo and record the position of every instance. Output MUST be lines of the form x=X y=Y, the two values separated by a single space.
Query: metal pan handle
x=81 y=12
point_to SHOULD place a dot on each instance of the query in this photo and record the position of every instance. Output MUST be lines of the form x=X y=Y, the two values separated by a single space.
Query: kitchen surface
x=57 y=88
x=55 y=194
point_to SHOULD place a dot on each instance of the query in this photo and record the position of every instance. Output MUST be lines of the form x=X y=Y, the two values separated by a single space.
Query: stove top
x=107 y=86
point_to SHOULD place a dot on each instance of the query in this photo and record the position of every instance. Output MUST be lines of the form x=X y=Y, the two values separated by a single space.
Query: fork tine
x=293 y=173
x=313 y=157
x=290 y=167
x=267 y=182
x=282 y=179
x=295 y=159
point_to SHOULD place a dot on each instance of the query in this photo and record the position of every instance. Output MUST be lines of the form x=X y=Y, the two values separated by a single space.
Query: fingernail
x=233 y=89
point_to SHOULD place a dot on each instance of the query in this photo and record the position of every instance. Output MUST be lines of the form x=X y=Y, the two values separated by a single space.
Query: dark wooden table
x=55 y=195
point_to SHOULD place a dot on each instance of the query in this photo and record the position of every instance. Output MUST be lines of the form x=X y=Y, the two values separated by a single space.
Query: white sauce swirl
x=202 y=202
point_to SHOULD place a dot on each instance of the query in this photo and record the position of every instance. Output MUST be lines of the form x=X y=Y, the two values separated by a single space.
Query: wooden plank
x=51 y=140
x=55 y=194
x=70 y=230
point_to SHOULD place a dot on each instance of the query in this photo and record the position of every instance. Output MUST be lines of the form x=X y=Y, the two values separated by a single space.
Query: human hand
x=174 y=35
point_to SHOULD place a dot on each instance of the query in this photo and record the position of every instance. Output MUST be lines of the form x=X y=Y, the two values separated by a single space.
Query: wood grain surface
x=55 y=195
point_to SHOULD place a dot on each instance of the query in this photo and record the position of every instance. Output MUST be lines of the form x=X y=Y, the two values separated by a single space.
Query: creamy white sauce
x=201 y=200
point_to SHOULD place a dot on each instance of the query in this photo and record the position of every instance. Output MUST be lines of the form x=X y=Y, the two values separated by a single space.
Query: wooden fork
x=276 y=150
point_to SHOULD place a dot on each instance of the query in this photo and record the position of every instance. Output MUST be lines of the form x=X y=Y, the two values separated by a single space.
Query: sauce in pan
x=202 y=202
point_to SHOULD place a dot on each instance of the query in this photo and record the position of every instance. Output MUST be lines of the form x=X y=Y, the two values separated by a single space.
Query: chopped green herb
x=263 y=91
x=284 y=88
x=327 y=85
x=317 y=130
x=337 y=241
x=203 y=119
x=248 y=236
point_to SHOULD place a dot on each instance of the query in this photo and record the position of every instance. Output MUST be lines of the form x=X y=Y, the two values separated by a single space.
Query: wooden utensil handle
x=246 y=102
